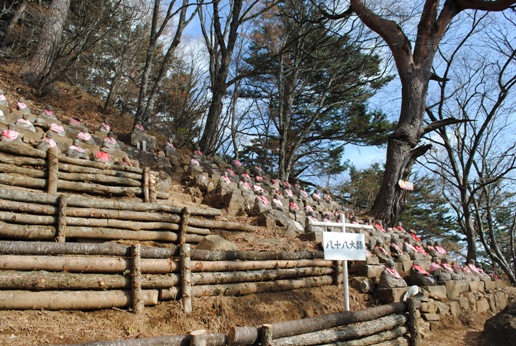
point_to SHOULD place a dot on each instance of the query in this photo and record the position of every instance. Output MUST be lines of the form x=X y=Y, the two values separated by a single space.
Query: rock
x=362 y=284
x=500 y=329
x=456 y=287
x=215 y=242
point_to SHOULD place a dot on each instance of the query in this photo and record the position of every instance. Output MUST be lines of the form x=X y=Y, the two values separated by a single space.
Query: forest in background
x=288 y=85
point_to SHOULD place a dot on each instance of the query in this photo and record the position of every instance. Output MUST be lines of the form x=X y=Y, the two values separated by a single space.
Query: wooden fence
x=392 y=324
x=46 y=171
x=59 y=276
x=28 y=215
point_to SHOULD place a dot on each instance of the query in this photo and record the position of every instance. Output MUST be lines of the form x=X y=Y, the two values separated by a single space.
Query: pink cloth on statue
x=394 y=245
x=293 y=206
x=237 y=163
x=420 y=249
x=198 y=152
x=289 y=192
x=105 y=126
x=10 y=134
x=287 y=184
x=309 y=208
x=259 y=178
x=139 y=127
x=21 y=105
x=277 y=202
x=2 y=97
x=380 y=227
x=74 y=121
x=231 y=173
x=257 y=188
x=226 y=179
x=171 y=145
x=103 y=156
x=49 y=113
x=434 y=266
x=56 y=128
x=410 y=246
x=420 y=269
x=246 y=176
x=327 y=197
x=304 y=193
x=84 y=136
x=77 y=149
x=194 y=162
x=447 y=267
x=473 y=268
x=110 y=140
x=24 y=121
x=50 y=141
x=245 y=185
x=316 y=196
x=393 y=272
x=264 y=200
x=440 y=249
x=382 y=250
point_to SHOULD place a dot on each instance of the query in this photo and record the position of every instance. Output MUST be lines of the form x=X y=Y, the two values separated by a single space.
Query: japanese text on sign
x=344 y=246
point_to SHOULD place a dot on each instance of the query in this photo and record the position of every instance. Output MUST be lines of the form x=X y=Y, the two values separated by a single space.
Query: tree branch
x=441 y=123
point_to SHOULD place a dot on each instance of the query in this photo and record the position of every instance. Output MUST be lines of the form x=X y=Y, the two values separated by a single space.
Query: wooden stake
x=61 y=219
x=53 y=164
x=185 y=216
x=152 y=187
x=198 y=338
x=186 y=278
x=267 y=335
x=413 y=324
x=145 y=186
x=136 y=279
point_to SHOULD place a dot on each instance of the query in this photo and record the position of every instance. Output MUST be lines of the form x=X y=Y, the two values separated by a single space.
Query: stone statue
x=390 y=278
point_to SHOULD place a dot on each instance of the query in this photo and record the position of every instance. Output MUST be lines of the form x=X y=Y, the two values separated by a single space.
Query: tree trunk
x=402 y=150
x=34 y=70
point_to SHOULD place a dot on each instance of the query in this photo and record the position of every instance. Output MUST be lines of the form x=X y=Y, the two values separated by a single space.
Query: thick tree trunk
x=34 y=70
x=402 y=150
x=211 y=130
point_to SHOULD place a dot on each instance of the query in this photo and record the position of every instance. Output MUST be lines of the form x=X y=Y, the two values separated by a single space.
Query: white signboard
x=344 y=246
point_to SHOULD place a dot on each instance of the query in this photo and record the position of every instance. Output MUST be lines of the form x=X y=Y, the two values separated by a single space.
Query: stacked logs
x=385 y=324
x=44 y=170
x=39 y=216
x=48 y=275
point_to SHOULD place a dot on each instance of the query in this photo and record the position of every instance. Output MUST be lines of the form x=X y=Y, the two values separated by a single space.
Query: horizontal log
x=35 y=183
x=239 y=289
x=352 y=331
x=208 y=255
x=28 y=232
x=395 y=335
x=211 y=278
x=22 y=160
x=225 y=225
x=9 y=193
x=71 y=300
x=91 y=213
x=101 y=165
x=103 y=249
x=102 y=233
x=43 y=280
x=212 y=339
x=250 y=335
x=90 y=264
x=71 y=168
x=203 y=266
x=19 y=150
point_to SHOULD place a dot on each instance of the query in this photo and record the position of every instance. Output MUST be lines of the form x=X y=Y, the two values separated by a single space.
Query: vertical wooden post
x=413 y=324
x=136 y=279
x=145 y=187
x=186 y=278
x=53 y=166
x=338 y=273
x=152 y=187
x=185 y=216
x=61 y=218
x=198 y=338
x=266 y=335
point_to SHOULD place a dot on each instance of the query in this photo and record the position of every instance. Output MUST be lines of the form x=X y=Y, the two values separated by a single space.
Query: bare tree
x=478 y=154
x=414 y=64
x=179 y=14
x=220 y=29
